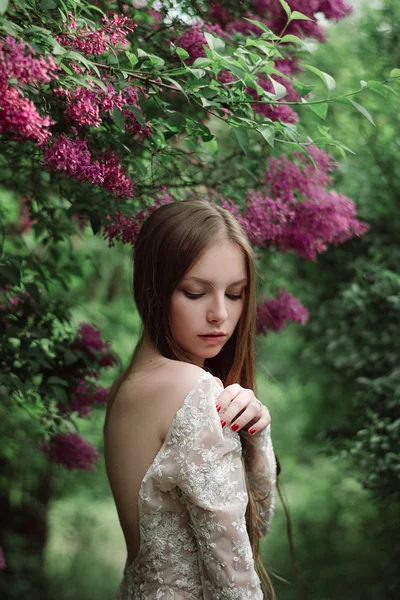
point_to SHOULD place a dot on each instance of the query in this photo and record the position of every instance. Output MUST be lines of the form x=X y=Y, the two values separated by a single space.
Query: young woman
x=187 y=444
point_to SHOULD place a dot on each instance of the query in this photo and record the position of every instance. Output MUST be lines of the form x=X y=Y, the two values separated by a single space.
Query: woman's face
x=212 y=305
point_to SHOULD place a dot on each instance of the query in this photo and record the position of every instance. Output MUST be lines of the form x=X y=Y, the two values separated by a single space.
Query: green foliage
x=354 y=331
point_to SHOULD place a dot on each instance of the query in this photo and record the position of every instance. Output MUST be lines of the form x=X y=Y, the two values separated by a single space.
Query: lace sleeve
x=262 y=475
x=213 y=487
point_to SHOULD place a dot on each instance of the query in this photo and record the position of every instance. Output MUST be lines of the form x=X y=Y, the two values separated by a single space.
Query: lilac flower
x=73 y=157
x=192 y=39
x=101 y=395
x=2 y=560
x=70 y=451
x=85 y=106
x=125 y=228
x=83 y=397
x=20 y=118
x=275 y=112
x=298 y=212
x=89 y=338
x=273 y=312
x=17 y=61
x=318 y=223
x=96 y=42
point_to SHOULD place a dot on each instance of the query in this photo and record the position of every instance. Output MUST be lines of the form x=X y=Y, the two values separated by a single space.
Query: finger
x=251 y=417
x=226 y=397
x=236 y=406
x=260 y=424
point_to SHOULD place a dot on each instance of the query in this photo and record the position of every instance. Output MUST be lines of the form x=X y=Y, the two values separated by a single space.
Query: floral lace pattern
x=192 y=503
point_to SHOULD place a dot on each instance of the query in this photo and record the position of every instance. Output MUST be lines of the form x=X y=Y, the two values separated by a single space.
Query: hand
x=242 y=409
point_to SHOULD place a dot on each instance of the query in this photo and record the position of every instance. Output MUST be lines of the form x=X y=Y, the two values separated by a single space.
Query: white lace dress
x=192 y=503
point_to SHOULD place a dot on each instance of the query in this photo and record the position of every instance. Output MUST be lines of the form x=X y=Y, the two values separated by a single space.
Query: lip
x=213 y=339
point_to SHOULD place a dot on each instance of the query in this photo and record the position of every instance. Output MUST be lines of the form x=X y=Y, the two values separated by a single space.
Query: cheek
x=181 y=313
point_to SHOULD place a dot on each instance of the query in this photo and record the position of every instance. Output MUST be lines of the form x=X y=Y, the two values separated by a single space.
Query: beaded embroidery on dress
x=192 y=502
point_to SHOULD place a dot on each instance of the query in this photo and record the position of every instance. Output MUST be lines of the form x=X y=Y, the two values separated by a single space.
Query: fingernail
x=218 y=408
x=223 y=423
x=252 y=430
x=234 y=427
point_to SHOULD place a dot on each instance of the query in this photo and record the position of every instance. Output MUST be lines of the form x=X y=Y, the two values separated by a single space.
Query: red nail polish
x=234 y=427
x=223 y=423
x=218 y=408
x=252 y=430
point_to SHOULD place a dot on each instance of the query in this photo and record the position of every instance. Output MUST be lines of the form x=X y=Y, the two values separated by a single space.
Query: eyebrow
x=210 y=282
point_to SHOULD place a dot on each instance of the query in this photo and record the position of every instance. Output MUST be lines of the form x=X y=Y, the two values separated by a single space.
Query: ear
x=219 y=381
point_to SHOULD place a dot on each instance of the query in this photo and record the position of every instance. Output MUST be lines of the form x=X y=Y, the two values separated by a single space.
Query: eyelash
x=197 y=296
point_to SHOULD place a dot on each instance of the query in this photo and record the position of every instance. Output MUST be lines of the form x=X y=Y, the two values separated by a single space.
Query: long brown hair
x=171 y=239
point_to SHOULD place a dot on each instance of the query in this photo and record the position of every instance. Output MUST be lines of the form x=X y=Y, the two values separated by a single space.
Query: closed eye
x=197 y=296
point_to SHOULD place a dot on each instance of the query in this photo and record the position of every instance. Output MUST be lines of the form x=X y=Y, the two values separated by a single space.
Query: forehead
x=223 y=263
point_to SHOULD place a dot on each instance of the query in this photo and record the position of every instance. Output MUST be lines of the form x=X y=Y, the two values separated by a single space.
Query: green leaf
x=198 y=73
x=33 y=290
x=137 y=113
x=69 y=357
x=286 y=7
x=363 y=111
x=242 y=137
x=268 y=133
x=183 y=55
x=201 y=62
x=10 y=274
x=298 y=16
x=46 y=4
x=95 y=223
x=321 y=110
x=60 y=393
x=178 y=86
x=375 y=86
x=57 y=380
x=291 y=38
x=118 y=118
x=133 y=59
x=259 y=24
x=3 y=6
x=326 y=78
x=301 y=88
x=214 y=42
x=212 y=146
x=279 y=90
x=305 y=153
x=395 y=73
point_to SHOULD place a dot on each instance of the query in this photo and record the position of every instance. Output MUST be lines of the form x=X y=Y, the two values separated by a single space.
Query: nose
x=218 y=309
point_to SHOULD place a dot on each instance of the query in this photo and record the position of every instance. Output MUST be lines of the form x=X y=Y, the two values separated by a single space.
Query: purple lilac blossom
x=70 y=451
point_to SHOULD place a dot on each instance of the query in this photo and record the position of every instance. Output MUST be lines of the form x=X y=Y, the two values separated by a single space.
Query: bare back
x=140 y=417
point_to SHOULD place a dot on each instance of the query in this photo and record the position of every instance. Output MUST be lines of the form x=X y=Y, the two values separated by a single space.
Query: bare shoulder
x=153 y=398
x=179 y=381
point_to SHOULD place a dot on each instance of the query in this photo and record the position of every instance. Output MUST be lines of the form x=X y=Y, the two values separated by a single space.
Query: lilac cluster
x=70 y=451
x=125 y=228
x=298 y=213
x=96 y=42
x=272 y=14
x=192 y=39
x=84 y=106
x=88 y=338
x=83 y=399
x=273 y=312
x=18 y=115
x=73 y=157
